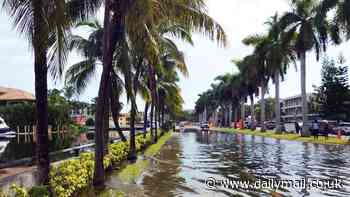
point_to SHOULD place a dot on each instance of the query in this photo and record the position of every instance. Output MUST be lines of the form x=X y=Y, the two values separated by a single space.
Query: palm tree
x=274 y=55
x=340 y=22
x=311 y=32
x=81 y=73
x=145 y=13
x=45 y=24
x=260 y=44
x=249 y=70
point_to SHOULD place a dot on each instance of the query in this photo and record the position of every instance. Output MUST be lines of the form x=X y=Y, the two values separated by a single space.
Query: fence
x=29 y=133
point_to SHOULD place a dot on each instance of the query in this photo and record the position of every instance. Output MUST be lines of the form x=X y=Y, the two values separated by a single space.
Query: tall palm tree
x=81 y=73
x=340 y=18
x=45 y=24
x=274 y=55
x=260 y=44
x=191 y=14
x=249 y=72
x=311 y=33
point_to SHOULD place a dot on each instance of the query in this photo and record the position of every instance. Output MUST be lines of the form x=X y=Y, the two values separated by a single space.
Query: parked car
x=343 y=127
x=270 y=125
x=205 y=126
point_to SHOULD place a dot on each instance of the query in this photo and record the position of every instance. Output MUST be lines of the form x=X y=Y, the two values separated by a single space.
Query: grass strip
x=131 y=172
x=287 y=136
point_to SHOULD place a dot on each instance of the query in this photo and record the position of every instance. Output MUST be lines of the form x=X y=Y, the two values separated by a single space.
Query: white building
x=292 y=108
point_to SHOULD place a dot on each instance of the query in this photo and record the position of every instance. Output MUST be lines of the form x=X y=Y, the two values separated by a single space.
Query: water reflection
x=197 y=156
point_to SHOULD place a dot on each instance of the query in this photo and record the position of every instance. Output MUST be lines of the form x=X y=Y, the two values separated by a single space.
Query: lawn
x=286 y=136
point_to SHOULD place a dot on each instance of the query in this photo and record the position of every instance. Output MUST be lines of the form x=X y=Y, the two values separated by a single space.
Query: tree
x=310 y=31
x=333 y=96
x=80 y=74
x=45 y=24
x=118 y=21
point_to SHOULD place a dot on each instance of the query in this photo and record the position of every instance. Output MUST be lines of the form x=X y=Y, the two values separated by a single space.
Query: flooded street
x=189 y=159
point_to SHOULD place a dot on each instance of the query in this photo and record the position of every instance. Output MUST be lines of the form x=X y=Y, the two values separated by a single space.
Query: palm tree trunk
x=152 y=120
x=40 y=69
x=106 y=127
x=243 y=111
x=110 y=38
x=156 y=125
x=236 y=115
x=262 y=106
x=145 y=119
x=156 y=106
x=115 y=109
x=252 y=111
x=305 y=130
x=163 y=113
x=277 y=102
x=132 y=151
x=229 y=115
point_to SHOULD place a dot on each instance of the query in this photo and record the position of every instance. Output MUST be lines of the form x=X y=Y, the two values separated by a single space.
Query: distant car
x=270 y=125
x=204 y=126
x=343 y=127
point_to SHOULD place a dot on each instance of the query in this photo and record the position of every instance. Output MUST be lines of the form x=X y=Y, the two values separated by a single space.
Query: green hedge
x=72 y=176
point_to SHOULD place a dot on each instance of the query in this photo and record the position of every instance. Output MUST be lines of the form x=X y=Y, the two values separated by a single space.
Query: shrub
x=2 y=194
x=39 y=191
x=18 y=191
x=167 y=126
x=72 y=176
x=90 y=122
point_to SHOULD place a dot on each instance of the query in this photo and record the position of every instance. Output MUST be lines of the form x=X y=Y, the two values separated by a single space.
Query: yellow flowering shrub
x=71 y=176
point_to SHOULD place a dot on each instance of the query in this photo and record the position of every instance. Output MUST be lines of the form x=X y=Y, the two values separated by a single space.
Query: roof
x=12 y=94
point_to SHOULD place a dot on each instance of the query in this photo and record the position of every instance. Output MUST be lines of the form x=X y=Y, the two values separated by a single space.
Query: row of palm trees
x=309 y=25
x=133 y=47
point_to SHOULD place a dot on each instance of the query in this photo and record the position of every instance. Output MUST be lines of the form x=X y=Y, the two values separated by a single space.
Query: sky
x=205 y=59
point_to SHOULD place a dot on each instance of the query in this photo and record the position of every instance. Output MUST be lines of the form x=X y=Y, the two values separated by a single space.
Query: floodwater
x=189 y=160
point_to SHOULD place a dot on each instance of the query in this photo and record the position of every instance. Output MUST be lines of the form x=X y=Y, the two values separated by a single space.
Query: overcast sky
x=205 y=60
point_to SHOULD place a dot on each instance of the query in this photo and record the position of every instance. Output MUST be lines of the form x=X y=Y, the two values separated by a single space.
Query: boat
x=5 y=131
x=3 y=145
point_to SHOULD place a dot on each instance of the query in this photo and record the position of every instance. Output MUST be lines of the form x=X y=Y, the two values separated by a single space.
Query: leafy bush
x=2 y=194
x=167 y=126
x=18 y=114
x=72 y=176
x=19 y=191
x=39 y=191
x=90 y=122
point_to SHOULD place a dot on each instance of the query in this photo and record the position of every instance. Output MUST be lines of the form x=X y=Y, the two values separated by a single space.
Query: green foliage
x=39 y=191
x=20 y=114
x=333 y=96
x=168 y=125
x=2 y=194
x=19 y=191
x=71 y=176
x=90 y=122
x=58 y=108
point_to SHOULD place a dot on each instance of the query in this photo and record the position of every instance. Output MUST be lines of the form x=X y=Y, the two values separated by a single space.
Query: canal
x=185 y=164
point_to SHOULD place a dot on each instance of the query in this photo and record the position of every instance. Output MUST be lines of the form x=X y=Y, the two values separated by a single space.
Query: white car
x=343 y=127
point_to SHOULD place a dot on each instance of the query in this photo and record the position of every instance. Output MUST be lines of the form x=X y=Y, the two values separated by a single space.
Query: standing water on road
x=189 y=161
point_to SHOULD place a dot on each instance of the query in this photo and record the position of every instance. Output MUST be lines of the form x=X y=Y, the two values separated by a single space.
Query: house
x=12 y=95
